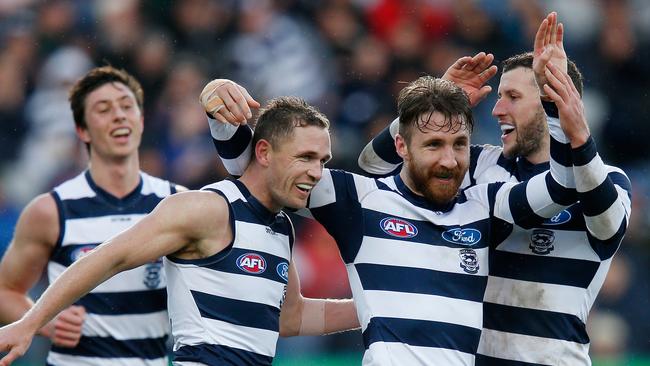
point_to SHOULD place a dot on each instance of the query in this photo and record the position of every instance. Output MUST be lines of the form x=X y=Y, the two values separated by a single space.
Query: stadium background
x=348 y=57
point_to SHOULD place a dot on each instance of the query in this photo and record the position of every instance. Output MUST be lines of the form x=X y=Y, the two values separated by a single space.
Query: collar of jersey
x=420 y=201
x=267 y=216
x=119 y=202
x=527 y=170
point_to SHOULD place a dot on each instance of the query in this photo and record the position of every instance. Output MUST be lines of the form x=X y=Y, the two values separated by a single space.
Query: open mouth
x=303 y=187
x=121 y=132
x=506 y=129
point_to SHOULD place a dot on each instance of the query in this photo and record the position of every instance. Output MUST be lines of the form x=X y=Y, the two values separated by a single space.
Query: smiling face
x=520 y=114
x=296 y=165
x=435 y=159
x=113 y=122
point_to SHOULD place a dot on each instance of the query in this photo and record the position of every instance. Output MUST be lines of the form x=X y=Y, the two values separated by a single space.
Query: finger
x=557 y=85
x=547 y=35
x=251 y=102
x=554 y=29
x=222 y=119
x=64 y=335
x=486 y=62
x=555 y=97
x=540 y=36
x=560 y=36
x=229 y=117
x=73 y=325
x=234 y=101
x=488 y=74
x=10 y=357
x=476 y=60
x=241 y=102
x=461 y=62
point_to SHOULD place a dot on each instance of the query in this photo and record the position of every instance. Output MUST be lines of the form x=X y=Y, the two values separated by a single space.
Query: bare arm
x=304 y=316
x=28 y=254
x=190 y=234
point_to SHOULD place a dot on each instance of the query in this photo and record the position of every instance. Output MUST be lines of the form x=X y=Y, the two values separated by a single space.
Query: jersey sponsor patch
x=462 y=236
x=81 y=252
x=468 y=260
x=283 y=270
x=251 y=263
x=559 y=219
x=398 y=228
x=541 y=241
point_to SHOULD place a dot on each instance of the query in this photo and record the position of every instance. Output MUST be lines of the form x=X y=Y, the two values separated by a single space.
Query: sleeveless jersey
x=126 y=321
x=225 y=309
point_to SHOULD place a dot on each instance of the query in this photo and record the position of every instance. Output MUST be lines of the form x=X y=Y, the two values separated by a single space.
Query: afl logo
x=81 y=252
x=251 y=263
x=398 y=228
x=561 y=218
x=283 y=270
x=462 y=236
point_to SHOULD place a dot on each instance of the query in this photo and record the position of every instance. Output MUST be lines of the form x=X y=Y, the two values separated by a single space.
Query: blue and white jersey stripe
x=225 y=309
x=126 y=321
x=418 y=272
x=543 y=281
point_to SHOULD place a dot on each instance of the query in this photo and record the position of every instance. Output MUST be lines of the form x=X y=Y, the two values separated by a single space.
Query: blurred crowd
x=348 y=57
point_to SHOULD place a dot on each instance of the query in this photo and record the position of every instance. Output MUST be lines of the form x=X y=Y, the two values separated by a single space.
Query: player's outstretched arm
x=162 y=232
x=305 y=316
x=35 y=237
x=606 y=208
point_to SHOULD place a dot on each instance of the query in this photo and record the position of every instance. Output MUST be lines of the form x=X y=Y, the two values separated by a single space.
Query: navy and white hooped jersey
x=418 y=271
x=225 y=309
x=543 y=281
x=126 y=321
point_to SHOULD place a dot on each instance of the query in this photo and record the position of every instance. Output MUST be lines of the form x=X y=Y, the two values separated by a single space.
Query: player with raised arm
x=416 y=248
x=544 y=280
x=227 y=254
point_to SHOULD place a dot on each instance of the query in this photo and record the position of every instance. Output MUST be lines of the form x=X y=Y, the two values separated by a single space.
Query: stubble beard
x=529 y=138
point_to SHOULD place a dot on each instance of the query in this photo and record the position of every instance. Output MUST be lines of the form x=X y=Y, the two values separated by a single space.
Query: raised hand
x=65 y=329
x=471 y=74
x=548 y=47
x=561 y=90
x=227 y=102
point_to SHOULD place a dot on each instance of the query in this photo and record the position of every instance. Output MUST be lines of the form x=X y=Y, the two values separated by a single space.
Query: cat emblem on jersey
x=469 y=260
x=152 y=274
x=541 y=241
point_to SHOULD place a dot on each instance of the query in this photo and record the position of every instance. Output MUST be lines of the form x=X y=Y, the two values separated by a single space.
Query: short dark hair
x=526 y=60
x=93 y=80
x=280 y=116
x=427 y=95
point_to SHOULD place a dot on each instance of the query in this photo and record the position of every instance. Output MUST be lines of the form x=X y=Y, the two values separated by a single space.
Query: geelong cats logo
x=469 y=260
x=541 y=241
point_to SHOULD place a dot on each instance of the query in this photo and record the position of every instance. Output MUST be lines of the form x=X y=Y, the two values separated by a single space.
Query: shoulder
x=40 y=219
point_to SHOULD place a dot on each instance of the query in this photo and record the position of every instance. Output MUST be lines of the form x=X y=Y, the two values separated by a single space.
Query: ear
x=83 y=134
x=401 y=147
x=263 y=152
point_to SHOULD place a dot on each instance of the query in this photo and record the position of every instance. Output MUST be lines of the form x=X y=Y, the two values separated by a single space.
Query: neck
x=406 y=178
x=117 y=177
x=254 y=179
